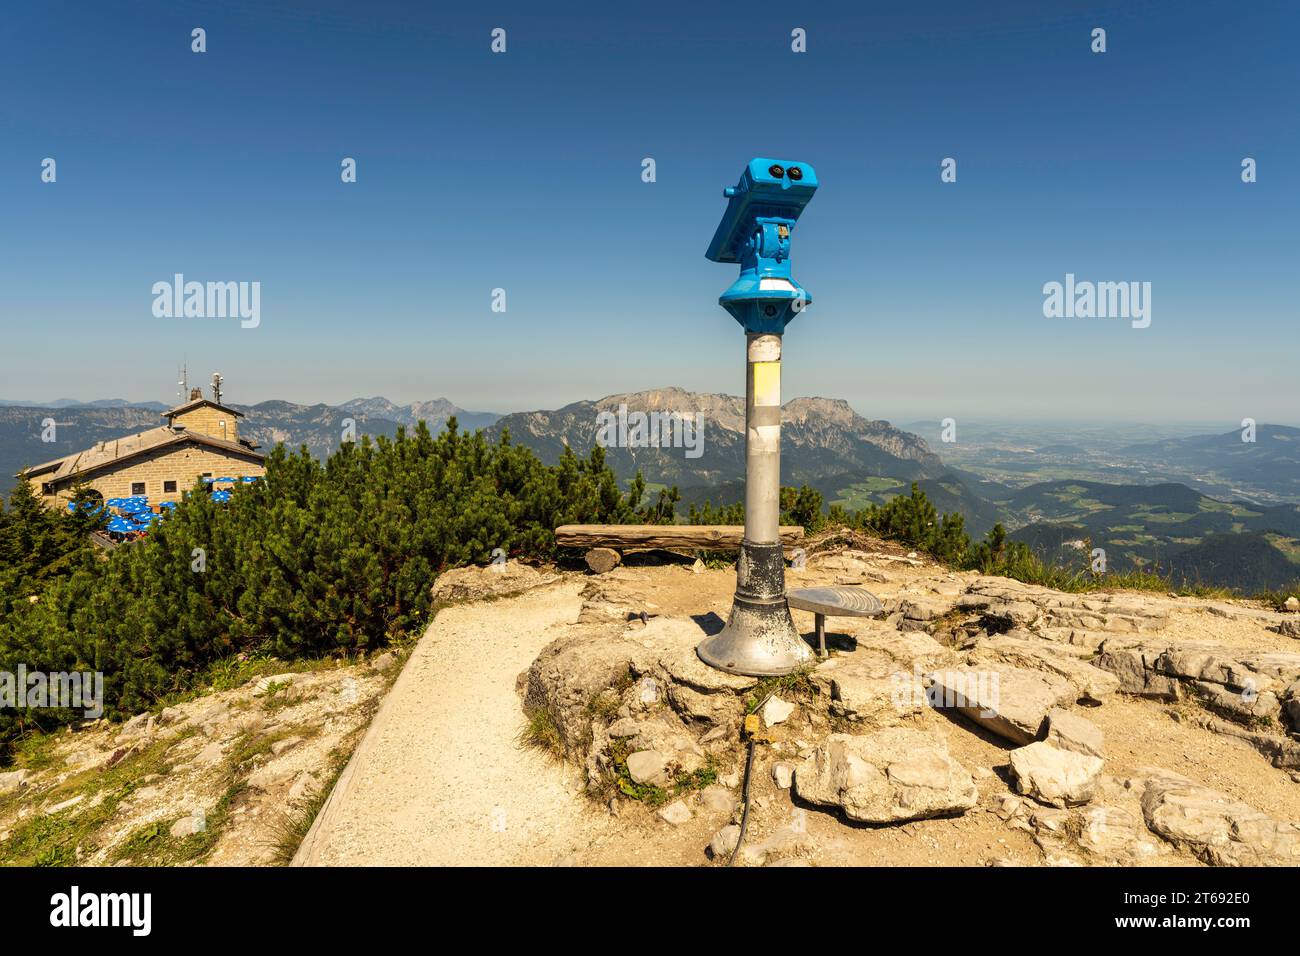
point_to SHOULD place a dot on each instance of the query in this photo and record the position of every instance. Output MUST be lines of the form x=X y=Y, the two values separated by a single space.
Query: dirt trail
x=439 y=778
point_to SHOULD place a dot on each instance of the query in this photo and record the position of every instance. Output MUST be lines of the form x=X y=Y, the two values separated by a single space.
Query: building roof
x=121 y=450
x=197 y=402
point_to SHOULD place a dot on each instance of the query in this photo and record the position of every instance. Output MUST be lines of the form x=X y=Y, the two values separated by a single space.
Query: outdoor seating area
x=130 y=518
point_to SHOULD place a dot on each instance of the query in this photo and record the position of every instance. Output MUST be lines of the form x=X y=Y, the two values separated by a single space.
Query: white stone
x=1060 y=778
x=648 y=768
x=188 y=826
x=1068 y=730
x=776 y=711
x=65 y=804
x=12 y=780
x=718 y=798
x=724 y=842
x=783 y=774
x=893 y=774
x=675 y=813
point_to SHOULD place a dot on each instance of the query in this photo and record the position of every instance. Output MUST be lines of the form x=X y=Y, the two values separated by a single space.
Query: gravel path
x=439 y=778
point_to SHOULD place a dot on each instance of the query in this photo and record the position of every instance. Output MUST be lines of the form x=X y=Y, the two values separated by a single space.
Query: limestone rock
x=1118 y=834
x=1021 y=649
x=279 y=681
x=209 y=756
x=783 y=774
x=1061 y=778
x=12 y=780
x=1007 y=604
x=648 y=768
x=64 y=805
x=1069 y=730
x=304 y=785
x=141 y=725
x=718 y=799
x=783 y=843
x=892 y=774
x=1111 y=830
x=871 y=688
x=776 y=711
x=675 y=813
x=1130 y=665
x=880 y=684
x=475 y=583
x=665 y=736
x=1245 y=705
x=1282 y=752
x=1215 y=827
x=1009 y=701
x=188 y=826
x=724 y=842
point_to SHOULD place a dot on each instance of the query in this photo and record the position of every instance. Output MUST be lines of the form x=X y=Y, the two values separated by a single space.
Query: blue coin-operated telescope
x=760 y=639
x=755 y=232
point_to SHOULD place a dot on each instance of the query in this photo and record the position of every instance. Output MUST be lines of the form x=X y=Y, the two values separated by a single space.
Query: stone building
x=200 y=439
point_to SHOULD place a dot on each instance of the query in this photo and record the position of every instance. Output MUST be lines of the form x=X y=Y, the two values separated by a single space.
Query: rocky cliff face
x=819 y=437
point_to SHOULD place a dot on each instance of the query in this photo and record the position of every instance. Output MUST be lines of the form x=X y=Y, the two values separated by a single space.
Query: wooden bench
x=836 y=601
x=605 y=542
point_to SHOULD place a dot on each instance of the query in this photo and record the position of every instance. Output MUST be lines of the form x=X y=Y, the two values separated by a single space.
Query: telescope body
x=760 y=639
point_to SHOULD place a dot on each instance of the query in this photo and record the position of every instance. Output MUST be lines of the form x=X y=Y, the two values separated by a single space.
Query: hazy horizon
x=523 y=171
x=1184 y=426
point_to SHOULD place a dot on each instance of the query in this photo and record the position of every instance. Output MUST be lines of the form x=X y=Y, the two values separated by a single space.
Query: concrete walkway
x=439 y=778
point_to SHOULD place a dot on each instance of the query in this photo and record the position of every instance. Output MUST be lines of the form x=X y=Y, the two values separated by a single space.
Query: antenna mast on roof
x=184 y=384
x=216 y=387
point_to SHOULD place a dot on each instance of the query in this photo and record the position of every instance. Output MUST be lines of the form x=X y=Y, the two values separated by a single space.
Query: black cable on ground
x=744 y=817
x=749 y=767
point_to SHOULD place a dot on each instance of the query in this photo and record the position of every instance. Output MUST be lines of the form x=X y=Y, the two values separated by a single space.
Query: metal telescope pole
x=760 y=638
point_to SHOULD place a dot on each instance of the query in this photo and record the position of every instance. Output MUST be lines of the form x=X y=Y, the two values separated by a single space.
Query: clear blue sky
x=522 y=171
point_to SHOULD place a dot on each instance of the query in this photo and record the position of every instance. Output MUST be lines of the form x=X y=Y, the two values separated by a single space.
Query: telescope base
x=760 y=639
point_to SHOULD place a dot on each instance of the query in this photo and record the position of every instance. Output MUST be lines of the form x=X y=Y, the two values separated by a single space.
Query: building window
x=47 y=488
x=169 y=487
x=137 y=487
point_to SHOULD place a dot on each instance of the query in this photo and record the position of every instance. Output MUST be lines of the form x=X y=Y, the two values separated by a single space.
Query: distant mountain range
x=98 y=403
x=79 y=425
x=1206 y=525
x=820 y=438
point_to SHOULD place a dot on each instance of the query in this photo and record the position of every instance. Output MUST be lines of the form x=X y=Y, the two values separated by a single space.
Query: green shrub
x=320 y=558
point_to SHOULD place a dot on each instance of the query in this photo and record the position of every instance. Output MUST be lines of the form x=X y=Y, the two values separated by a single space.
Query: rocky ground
x=981 y=722
x=563 y=718
x=229 y=778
